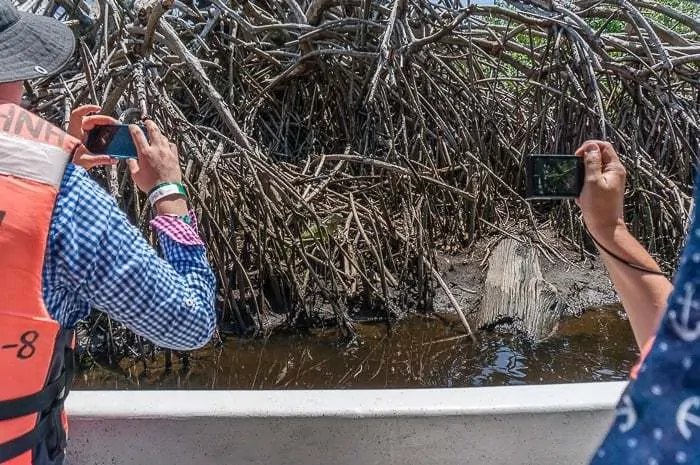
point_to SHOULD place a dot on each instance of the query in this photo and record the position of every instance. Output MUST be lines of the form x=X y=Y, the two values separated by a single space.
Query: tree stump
x=516 y=293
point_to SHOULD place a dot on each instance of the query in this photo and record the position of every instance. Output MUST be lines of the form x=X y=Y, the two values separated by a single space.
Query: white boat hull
x=528 y=425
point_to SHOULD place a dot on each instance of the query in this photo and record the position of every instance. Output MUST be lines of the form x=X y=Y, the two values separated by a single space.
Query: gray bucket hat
x=31 y=46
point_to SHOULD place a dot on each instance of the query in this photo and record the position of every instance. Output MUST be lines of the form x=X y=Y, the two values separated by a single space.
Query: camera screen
x=555 y=176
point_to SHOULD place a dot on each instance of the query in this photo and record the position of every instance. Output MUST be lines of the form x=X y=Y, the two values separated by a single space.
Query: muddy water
x=597 y=346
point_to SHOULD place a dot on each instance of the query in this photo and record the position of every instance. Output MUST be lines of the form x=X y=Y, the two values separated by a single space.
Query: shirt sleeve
x=110 y=265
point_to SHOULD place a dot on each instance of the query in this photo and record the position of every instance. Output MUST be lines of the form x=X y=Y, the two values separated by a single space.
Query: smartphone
x=554 y=176
x=113 y=140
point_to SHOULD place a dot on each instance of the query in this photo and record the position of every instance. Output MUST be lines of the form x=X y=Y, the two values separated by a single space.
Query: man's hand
x=79 y=124
x=602 y=197
x=157 y=163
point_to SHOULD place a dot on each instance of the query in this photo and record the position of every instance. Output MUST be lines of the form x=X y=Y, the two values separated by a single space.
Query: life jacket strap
x=47 y=403
x=34 y=403
x=27 y=441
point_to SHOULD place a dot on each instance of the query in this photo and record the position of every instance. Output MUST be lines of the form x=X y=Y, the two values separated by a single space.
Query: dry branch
x=334 y=147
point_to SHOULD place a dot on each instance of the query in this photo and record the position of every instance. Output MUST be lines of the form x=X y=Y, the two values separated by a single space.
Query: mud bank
x=581 y=283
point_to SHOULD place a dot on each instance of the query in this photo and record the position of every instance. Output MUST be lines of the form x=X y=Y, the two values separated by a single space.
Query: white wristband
x=164 y=191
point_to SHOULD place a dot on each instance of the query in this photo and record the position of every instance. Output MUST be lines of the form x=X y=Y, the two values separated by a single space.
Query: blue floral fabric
x=658 y=417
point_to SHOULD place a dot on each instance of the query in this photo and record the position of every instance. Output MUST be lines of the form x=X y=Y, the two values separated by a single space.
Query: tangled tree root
x=331 y=148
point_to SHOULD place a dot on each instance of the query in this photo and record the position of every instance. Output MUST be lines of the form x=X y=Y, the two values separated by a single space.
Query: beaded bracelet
x=165 y=189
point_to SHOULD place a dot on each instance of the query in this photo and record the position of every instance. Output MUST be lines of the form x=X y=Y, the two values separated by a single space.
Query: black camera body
x=554 y=176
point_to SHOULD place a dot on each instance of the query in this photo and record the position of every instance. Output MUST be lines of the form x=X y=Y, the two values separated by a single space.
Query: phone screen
x=554 y=176
x=113 y=140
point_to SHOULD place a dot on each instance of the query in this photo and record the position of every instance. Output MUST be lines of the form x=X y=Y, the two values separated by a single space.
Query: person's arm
x=644 y=295
x=105 y=261
x=98 y=257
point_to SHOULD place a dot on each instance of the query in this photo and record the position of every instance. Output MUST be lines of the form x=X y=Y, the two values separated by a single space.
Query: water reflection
x=598 y=346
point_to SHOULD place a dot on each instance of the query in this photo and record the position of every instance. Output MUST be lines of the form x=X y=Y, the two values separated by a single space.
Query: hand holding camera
x=152 y=158
x=602 y=197
x=593 y=176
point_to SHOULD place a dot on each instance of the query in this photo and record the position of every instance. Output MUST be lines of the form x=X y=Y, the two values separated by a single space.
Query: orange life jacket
x=36 y=354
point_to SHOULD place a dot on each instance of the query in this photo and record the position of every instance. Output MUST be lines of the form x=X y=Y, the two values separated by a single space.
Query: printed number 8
x=27 y=349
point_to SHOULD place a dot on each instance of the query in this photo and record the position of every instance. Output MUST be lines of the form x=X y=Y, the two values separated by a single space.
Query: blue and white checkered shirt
x=96 y=259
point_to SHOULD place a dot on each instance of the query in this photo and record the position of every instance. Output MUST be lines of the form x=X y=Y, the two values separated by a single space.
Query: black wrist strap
x=620 y=259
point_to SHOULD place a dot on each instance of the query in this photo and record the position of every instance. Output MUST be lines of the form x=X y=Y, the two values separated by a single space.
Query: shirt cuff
x=178 y=230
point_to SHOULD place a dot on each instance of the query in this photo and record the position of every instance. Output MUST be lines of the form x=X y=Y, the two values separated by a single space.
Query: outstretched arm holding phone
x=643 y=294
x=96 y=258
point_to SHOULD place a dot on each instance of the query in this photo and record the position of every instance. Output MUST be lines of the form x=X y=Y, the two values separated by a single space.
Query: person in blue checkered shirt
x=95 y=258
x=57 y=224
